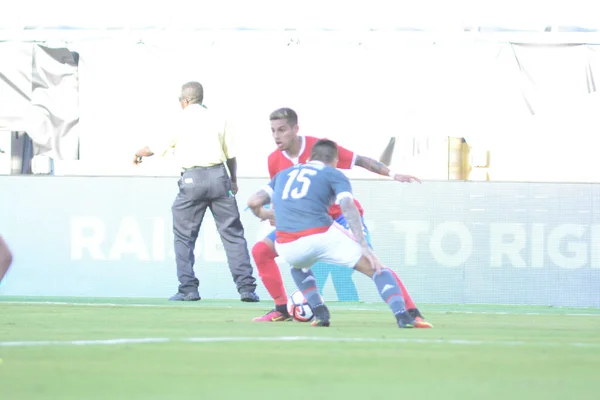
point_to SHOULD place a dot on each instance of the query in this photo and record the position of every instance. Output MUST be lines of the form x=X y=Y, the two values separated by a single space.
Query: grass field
x=151 y=349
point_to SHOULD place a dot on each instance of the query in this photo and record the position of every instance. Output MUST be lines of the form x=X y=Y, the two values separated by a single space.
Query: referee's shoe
x=249 y=297
x=191 y=296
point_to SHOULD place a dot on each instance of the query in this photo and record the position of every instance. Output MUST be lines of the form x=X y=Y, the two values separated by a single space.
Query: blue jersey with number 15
x=301 y=196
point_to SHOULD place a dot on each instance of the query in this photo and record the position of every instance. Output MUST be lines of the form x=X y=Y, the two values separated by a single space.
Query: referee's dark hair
x=324 y=150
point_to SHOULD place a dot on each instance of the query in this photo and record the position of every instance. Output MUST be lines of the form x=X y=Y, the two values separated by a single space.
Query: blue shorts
x=342 y=221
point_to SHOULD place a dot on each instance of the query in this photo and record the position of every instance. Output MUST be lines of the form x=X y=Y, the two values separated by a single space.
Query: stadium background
x=513 y=106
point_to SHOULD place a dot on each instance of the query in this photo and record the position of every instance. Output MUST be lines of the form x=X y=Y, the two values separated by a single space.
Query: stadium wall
x=527 y=99
x=451 y=242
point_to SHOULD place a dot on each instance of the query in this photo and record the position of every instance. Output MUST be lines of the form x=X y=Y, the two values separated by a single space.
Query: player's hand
x=271 y=214
x=272 y=219
x=406 y=178
x=268 y=215
x=234 y=187
x=137 y=160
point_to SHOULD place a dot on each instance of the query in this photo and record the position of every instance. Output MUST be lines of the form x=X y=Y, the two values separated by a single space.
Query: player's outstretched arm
x=256 y=203
x=380 y=168
x=5 y=258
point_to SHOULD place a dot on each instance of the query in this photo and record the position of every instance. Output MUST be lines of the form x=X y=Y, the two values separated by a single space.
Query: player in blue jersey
x=306 y=233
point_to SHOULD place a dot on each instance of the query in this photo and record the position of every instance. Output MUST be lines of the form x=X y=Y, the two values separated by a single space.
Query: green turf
x=474 y=352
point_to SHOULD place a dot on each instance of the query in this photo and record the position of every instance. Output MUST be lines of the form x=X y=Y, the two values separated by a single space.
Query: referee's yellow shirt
x=200 y=138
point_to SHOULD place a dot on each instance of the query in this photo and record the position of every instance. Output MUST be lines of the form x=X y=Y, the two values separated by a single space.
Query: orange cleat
x=421 y=323
x=273 y=316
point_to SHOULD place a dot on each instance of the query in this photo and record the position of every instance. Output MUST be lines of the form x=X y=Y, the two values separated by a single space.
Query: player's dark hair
x=192 y=92
x=324 y=150
x=285 y=113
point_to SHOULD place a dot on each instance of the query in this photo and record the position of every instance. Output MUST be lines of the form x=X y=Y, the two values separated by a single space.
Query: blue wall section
x=450 y=242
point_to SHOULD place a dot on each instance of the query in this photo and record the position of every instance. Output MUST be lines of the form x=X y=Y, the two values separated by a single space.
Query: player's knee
x=394 y=274
x=262 y=252
x=364 y=267
x=256 y=251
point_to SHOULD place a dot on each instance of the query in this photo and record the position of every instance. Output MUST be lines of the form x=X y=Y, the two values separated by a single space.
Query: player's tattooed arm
x=380 y=168
x=372 y=165
x=256 y=203
x=352 y=215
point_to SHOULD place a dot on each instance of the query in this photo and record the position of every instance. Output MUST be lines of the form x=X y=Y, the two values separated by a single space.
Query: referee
x=201 y=145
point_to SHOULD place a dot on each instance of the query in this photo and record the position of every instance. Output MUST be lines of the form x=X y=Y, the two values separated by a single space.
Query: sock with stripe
x=306 y=282
x=410 y=304
x=390 y=292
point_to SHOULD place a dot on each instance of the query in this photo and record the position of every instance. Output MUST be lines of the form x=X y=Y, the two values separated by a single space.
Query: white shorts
x=334 y=246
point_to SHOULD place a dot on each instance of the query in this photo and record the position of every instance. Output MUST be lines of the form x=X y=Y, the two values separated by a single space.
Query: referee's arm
x=147 y=151
x=232 y=166
x=141 y=153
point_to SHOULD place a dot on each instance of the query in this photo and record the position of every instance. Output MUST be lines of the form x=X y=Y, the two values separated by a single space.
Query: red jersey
x=280 y=160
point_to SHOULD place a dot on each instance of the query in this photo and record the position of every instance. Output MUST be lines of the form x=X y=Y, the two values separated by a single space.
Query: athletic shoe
x=321 y=316
x=421 y=323
x=419 y=320
x=191 y=296
x=405 y=320
x=320 y=322
x=273 y=316
x=249 y=297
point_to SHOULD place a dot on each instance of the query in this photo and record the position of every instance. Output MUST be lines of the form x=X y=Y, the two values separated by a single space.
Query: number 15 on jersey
x=298 y=183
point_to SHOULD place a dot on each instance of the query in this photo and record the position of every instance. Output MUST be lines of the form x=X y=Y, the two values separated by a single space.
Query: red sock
x=407 y=299
x=264 y=257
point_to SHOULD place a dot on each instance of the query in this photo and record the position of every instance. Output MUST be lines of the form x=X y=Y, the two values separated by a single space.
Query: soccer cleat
x=273 y=316
x=421 y=323
x=321 y=316
x=405 y=320
x=320 y=322
x=414 y=312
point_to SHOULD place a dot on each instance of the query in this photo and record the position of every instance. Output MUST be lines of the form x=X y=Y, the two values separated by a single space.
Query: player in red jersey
x=5 y=258
x=294 y=149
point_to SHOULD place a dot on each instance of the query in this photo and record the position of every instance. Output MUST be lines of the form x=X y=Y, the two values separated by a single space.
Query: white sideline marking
x=64 y=303
x=83 y=342
x=291 y=339
x=519 y=313
x=487 y=312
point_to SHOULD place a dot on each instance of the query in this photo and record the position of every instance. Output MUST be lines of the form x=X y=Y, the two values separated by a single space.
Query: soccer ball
x=298 y=308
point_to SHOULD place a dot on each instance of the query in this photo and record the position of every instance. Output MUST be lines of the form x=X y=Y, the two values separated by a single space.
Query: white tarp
x=512 y=98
